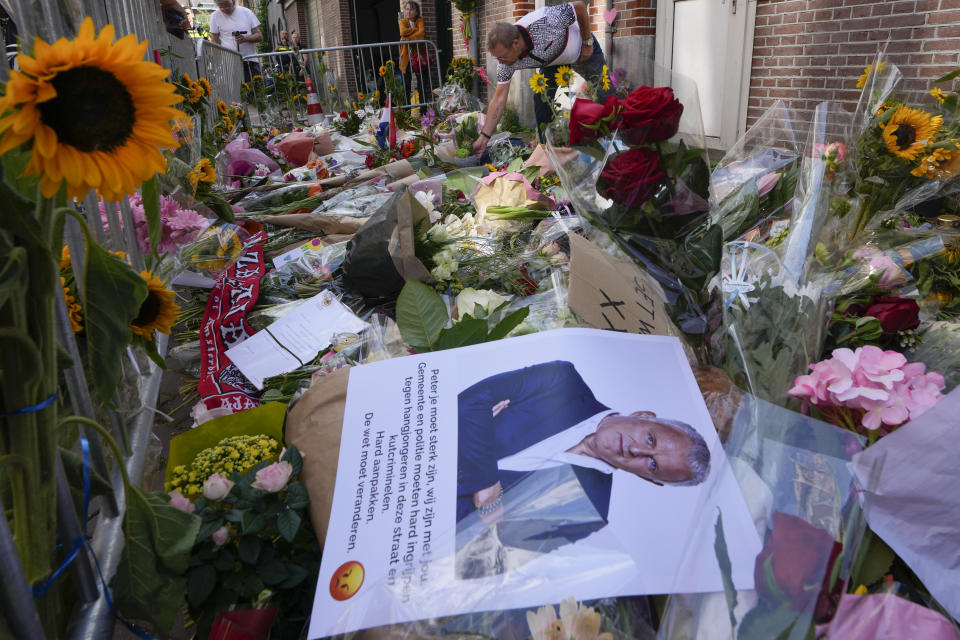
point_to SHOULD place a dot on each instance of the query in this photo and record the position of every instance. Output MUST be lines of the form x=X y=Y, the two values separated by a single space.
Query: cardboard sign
x=613 y=294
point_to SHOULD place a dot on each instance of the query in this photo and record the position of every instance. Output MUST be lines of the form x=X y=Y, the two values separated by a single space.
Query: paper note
x=295 y=339
x=613 y=294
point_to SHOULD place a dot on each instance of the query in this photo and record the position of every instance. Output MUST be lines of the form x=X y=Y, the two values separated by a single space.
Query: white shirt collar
x=552 y=451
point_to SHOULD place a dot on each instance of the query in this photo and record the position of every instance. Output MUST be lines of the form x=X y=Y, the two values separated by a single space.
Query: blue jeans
x=591 y=69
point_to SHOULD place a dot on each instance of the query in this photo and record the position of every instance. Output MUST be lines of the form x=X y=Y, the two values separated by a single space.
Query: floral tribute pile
x=817 y=283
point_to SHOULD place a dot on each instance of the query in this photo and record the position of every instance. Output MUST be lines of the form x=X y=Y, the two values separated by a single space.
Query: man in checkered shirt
x=546 y=39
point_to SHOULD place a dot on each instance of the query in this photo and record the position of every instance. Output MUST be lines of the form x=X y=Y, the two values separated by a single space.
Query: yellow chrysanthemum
x=158 y=312
x=908 y=131
x=202 y=172
x=538 y=82
x=875 y=67
x=383 y=71
x=206 y=86
x=940 y=164
x=605 y=79
x=564 y=76
x=96 y=112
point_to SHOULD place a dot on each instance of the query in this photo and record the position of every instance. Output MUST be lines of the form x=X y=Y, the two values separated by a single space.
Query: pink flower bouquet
x=870 y=391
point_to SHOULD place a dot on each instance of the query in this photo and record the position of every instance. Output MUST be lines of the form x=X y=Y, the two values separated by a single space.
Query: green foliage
x=726 y=568
x=265 y=45
x=111 y=303
x=422 y=316
x=149 y=583
x=270 y=544
x=151 y=208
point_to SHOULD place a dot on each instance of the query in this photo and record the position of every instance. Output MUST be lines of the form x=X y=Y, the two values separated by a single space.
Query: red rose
x=894 y=314
x=800 y=558
x=344 y=114
x=589 y=120
x=649 y=115
x=631 y=177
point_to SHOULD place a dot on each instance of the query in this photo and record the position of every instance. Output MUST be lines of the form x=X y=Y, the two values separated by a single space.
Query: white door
x=710 y=42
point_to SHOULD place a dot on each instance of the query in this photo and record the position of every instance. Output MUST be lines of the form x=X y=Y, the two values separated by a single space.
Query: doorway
x=711 y=42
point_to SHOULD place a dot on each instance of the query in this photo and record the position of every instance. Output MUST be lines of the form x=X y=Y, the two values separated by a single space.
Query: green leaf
x=150 y=192
x=14 y=164
x=73 y=469
x=292 y=455
x=421 y=314
x=726 y=569
x=272 y=572
x=466 y=332
x=111 y=301
x=288 y=523
x=200 y=583
x=149 y=583
x=252 y=523
x=297 y=496
x=876 y=563
x=766 y=623
x=947 y=76
x=508 y=324
x=225 y=560
x=248 y=549
x=296 y=575
x=207 y=529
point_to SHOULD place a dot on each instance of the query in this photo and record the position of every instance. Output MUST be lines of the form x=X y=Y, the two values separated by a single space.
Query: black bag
x=369 y=268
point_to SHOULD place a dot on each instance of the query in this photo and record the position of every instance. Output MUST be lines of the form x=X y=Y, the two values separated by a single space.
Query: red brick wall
x=807 y=51
x=634 y=18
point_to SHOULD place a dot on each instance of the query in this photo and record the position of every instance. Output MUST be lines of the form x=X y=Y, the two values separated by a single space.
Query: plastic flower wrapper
x=753 y=185
x=905 y=155
x=548 y=307
x=814 y=189
x=650 y=198
x=937 y=348
x=188 y=133
x=891 y=611
x=793 y=472
x=215 y=249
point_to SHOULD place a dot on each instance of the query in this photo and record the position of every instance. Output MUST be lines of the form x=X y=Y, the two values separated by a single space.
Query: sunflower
x=206 y=86
x=196 y=93
x=257 y=77
x=908 y=131
x=940 y=164
x=202 y=172
x=360 y=95
x=245 y=85
x=376 y=95
x=938 y=94
x=97 y=113
x=383 y=71
x=564 y=76
x=220 y=248
x=538 y=82
x=874 y=68
x=158 y=312
x=605 y=79
x=65 y=261
x=76 y=320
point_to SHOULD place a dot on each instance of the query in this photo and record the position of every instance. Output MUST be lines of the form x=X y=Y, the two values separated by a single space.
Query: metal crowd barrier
x=223 y=69
x=338 y=75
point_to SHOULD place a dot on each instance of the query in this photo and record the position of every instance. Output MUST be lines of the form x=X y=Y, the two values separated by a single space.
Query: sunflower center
x=148 y=310
x=93 y=110
x=905 y=134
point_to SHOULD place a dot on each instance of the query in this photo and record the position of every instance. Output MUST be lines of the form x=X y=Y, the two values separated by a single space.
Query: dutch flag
x=387 y=129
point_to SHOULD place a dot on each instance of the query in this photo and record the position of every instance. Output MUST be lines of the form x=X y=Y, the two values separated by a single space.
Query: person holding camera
x=237 y=28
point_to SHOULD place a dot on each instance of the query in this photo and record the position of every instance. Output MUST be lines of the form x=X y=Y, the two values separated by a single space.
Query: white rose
x=438 y=233
x=475 y=302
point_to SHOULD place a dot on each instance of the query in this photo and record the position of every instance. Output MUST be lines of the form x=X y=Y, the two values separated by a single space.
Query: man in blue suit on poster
x=517 y=424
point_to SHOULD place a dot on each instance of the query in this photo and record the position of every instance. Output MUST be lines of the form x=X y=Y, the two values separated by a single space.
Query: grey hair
x=698 y=459
x=502 y=33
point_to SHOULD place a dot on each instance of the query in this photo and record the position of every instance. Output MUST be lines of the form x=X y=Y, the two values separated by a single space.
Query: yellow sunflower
x=908 y=131
x=376 y=95
x=65 y=260
x=257 y=77
x=605 y=79
x=876 y=67
x=538 y=82
x=158 y=312
x=564 y=76
x=206 y=86
x=245 y=85
x=202 y=172
x=360 y=95
x=383 y=71
x=940 y=164
x=97 y=113
x=73 y=308
x=222 y=107
x=196 y=93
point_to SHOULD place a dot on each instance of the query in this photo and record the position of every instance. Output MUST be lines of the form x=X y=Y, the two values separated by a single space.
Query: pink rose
x=179 y=501
x=891 y=275
x=273 y=478
x=216 y=487
x=220 y=536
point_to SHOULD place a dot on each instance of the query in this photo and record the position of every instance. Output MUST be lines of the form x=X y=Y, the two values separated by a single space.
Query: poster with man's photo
x=571 y=463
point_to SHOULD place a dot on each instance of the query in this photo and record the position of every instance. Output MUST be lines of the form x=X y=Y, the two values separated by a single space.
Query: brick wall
x=807 y=51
